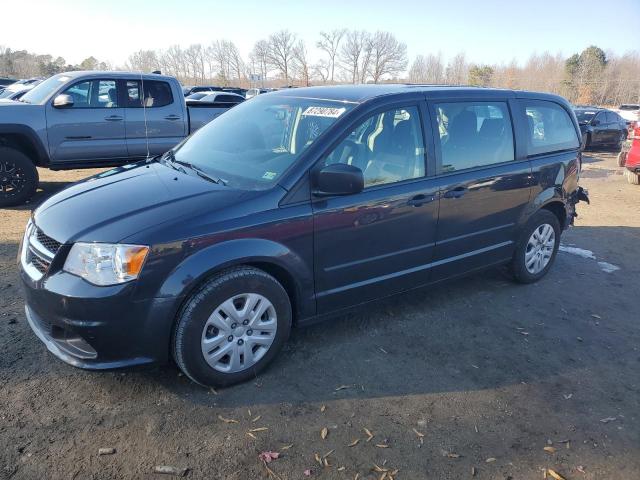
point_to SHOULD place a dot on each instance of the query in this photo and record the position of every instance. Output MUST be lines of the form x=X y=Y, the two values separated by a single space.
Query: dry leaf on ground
x=268 y=456
x=227 y=420
x=324 y=432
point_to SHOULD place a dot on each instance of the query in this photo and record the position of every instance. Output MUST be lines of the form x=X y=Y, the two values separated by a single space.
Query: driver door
x=92 y=129
x=379 y=241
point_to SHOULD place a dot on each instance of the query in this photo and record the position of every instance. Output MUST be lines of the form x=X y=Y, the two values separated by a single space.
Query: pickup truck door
x=90 y=130
x=165 y=124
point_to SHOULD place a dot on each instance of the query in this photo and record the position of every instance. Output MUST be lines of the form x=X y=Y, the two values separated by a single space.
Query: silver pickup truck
x=92 y=119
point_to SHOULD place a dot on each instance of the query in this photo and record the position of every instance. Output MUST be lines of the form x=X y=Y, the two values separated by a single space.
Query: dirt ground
x=476 y=377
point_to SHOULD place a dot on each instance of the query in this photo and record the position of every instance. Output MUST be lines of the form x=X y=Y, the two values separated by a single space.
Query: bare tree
x=427 y=69
x=352 y=53
x=281 y=52
x=260 y=57
x=457 y=70
x=321 y=71
x=330 y=43
x=143 y=60
x=388 y=56
x=302 y=66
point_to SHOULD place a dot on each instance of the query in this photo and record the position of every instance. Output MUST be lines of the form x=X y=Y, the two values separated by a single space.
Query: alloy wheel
x=12 y=179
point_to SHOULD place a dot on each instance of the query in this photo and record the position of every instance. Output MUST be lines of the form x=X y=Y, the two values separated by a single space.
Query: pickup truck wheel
x=632 y=177
x=18 y=177
x=232 y=327
x=537 y=247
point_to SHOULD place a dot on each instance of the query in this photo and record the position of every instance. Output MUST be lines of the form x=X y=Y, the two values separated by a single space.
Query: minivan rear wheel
x=537 y=247
x=18 y=177
x=232 y=327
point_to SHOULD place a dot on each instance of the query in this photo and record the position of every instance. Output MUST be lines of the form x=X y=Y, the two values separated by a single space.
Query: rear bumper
x=580 y=195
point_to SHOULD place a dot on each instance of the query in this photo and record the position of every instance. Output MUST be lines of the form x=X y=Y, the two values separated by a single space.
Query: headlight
x=106 y=263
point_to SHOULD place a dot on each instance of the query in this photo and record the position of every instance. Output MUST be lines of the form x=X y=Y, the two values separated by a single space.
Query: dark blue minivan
x=293 y=206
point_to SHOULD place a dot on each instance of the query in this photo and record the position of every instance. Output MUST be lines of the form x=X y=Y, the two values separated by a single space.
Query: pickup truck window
x=156 y=94
x=550 y=128
x=251 y=145
x=94 y=94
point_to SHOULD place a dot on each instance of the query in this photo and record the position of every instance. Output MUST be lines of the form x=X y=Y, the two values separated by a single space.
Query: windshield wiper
x=170 y=159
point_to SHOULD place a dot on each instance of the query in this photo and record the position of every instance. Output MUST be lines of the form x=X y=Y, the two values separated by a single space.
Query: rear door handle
x=420 y=200
x=455 y=193
x=172 y=117
x=114 y=118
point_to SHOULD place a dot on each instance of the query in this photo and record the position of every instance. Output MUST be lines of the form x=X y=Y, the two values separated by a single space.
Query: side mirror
x=338 y=179
x=595 y=123
x=63 y=101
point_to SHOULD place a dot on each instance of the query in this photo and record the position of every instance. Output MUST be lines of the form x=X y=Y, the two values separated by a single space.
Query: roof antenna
x=144 y=114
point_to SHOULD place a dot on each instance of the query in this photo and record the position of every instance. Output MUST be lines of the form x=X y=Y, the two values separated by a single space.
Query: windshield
x=584 y=116
x=251 y=145
x=42 y=91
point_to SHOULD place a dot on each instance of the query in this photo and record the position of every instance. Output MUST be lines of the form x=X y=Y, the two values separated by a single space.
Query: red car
x=629 y=157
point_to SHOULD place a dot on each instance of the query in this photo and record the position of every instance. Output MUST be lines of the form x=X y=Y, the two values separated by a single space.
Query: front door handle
x=455 y=193
x=114 y=118
x=420 y=200
x=172 y=117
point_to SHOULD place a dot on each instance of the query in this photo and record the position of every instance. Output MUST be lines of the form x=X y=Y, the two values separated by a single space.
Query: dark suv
x=293 y=206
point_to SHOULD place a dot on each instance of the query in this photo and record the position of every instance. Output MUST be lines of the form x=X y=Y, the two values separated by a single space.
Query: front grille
x=38 y=252
x=40 y=264
x=47 y=242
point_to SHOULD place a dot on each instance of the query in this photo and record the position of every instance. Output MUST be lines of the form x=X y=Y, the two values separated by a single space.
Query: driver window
x=388 y=147
x=94 y=94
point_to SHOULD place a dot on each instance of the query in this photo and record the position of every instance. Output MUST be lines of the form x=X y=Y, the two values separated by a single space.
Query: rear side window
x=474 y=134
x=549 y=128
x=156 y=94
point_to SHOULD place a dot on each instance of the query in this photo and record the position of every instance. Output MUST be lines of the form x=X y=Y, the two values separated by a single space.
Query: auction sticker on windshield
x=330 y=112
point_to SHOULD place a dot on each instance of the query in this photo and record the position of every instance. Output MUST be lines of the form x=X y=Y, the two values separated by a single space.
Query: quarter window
x=387 y=147
x=156 y=94
x=94 y=94
x=474 y=134
x=549 y=128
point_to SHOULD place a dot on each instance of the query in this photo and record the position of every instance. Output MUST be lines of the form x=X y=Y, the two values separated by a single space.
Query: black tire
x=622 y=158
x=517 y=267
x=632 y=178
x=18 y=177
x=193 y=317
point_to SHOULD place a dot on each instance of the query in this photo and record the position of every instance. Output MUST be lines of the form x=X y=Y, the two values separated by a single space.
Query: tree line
x=357 y=56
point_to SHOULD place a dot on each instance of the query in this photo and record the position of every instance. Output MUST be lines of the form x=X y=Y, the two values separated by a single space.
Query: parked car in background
x=238 y=91
x=91 y=119
x=601 y=127
x=186 y=91
x=4 y=81
x=252 y=92
x=222 y=98
x=630 y=112
x=629 y=156
x=291 y=207
x=16 y=91
x=197 y=95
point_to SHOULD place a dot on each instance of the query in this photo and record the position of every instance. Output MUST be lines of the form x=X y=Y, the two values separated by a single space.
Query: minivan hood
x=118 y=203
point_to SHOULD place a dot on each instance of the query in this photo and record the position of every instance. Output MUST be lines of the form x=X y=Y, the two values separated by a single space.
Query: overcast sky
x=489 y=31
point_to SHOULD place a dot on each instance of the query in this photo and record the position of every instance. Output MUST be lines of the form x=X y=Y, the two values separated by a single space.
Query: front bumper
x=94 y=327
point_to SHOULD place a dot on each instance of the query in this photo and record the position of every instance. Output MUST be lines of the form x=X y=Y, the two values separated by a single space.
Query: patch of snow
x=581 y=252
x=608 y=267
x=578 y=251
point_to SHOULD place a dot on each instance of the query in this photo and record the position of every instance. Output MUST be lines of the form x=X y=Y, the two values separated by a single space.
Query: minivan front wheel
x=537 y=247
x=232 y=327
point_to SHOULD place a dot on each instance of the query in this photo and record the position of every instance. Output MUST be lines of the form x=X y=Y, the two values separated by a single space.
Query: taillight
x=634 y=130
